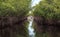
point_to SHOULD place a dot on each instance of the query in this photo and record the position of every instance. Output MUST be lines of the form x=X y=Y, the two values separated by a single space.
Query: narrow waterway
x=30 y=19
x=30 y=28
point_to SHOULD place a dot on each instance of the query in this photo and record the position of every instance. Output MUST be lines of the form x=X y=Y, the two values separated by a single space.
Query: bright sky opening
x=34 y=2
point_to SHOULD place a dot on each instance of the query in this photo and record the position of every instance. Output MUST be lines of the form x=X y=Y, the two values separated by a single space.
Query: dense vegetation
x=48 y=9
x=47 y=17
x=13 y=18
x=14 y=7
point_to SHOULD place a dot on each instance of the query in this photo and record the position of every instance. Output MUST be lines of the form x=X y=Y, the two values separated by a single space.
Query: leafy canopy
x=14 y=7
x=48 y=9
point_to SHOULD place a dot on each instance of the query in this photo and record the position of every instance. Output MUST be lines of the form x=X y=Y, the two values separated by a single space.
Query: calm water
x=30 y=28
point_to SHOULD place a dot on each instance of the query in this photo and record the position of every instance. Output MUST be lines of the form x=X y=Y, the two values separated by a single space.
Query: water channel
x=30 y=28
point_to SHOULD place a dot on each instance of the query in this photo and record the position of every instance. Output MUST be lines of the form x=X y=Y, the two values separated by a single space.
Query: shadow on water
x=13 y=27
x=44 y=28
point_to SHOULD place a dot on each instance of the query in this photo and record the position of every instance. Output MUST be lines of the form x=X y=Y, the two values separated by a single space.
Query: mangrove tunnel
x=29 y=18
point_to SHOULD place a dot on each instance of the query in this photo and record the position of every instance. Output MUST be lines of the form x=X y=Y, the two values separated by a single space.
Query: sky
x=34 y=2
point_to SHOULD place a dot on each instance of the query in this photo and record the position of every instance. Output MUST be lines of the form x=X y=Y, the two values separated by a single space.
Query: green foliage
x=48 y=9
x=14 y=7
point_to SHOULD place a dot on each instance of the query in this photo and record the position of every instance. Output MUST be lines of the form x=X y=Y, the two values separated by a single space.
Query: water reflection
x=30 y=28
